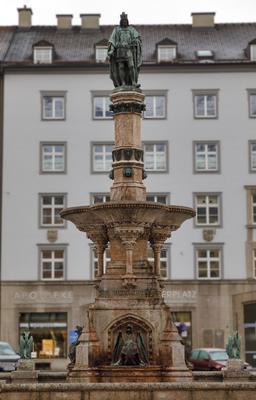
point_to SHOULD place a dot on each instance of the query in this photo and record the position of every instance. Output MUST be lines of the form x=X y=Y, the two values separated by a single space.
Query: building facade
x=198 y=132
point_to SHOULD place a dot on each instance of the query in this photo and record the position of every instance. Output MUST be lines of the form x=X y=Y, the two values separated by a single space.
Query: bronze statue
x=26 y=345
x=124 y=52
x=234 y=345
x=72 y=347
x=129 y=349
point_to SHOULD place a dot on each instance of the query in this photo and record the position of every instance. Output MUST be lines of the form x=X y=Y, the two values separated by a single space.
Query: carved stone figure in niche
x=129 y=348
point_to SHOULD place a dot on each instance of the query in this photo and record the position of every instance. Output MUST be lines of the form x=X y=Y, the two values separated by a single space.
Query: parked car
x=210 y=359
x=8 y=357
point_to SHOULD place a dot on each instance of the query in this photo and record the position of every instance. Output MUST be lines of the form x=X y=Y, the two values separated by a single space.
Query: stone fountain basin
x=135 y=213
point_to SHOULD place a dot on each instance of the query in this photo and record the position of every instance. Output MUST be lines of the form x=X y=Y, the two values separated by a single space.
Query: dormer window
x=204 y=54
x=101 y=51
x=251 y=50
x=101 y=54
x=42 y=52
x=166 y=50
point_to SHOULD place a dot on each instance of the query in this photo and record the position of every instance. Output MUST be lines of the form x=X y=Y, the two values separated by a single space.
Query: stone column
x=129 y=236
x=128 y=172
x=158 y=237
x=100 y=240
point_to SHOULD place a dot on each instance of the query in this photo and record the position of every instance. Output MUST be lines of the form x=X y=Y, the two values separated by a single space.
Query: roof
x=227 y=41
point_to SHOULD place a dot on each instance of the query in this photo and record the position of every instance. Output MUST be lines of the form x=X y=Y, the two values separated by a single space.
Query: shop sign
x=43 y=296
x=179 y=296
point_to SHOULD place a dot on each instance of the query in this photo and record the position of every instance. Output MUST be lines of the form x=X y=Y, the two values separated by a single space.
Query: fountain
x=128 y=333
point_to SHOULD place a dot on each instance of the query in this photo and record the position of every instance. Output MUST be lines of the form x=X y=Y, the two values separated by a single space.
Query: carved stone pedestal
x=25 y=372
x=235 y=371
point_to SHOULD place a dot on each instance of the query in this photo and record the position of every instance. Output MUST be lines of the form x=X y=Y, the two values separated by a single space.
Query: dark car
x=8 y=357
x=210 y=359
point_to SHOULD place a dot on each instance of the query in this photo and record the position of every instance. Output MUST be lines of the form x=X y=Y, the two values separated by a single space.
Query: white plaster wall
x=23 y=131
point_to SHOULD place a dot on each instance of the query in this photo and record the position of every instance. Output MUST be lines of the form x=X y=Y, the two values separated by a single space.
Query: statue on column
x=125 y=54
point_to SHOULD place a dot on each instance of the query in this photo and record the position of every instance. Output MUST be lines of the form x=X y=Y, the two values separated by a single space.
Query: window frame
x=54 y=95
x=154 y=94
x=50 y=226
x=101 y=47
x=205 y=92
x=252 y=156
x=209 y=247
x=155 y=143
x=103 y=194
x=250 y=93
x=208 y=224
x=165 y=47
x=156 y=194
x=53 y=247
x=252 y=52
x=37 y=49
x=105 y=94
x=41 y=168
x=93 y=144
x=218 y=156
x=251 y=206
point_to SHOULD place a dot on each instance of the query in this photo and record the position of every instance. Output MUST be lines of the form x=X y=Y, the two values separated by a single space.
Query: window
x=252 y=103
x=206 y=156
x=205 y=104
x=254 y=262
x=101 y=107
x=42 y=55
x=208 y=263
x=102 y=157
x=95 y=261
x=52 y=263
x=166 y=53
x=155 y=156
x=100 y=198
x=50 y=207
x=155 y=107
x=254 y=207
x=53 y=106
x=251 y=206
x=49 y=331
x=252 y=156
x=163 y=260
x=207 y=209
x=158 y=198
x=253 y=52
x=53 y=157
x=101 y=54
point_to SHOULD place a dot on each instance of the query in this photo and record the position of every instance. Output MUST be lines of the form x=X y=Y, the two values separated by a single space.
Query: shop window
x=49 y=331
x=249 y=333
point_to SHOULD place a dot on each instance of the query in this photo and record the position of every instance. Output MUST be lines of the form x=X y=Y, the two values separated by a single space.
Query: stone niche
x=141 y=332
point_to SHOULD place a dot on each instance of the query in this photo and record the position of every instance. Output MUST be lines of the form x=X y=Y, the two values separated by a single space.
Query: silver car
x=8 y=357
